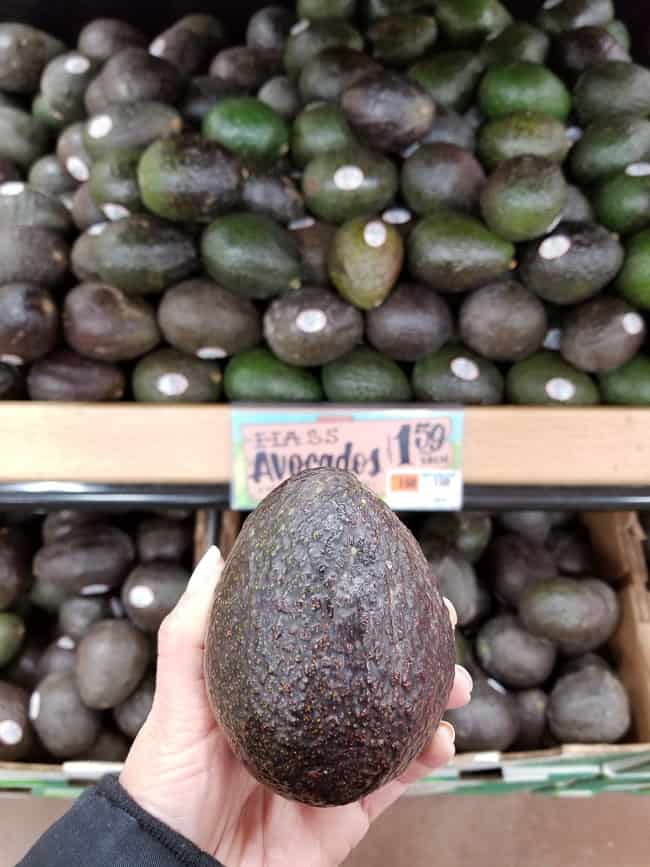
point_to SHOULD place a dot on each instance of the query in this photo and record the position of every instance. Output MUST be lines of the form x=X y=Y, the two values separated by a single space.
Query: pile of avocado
x=533 y=625
x=82 y=596
x=370 y=201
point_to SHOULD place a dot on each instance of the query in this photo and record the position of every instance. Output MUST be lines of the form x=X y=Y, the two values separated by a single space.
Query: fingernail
x=210 y=565
x=466 y=676
x=452 y=611
x=450 y=730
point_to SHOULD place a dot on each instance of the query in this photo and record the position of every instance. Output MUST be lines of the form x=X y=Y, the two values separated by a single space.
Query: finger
x=461 y=691
x=179 y=681
x=439 y=752
x=377 y=803
x=453 y=615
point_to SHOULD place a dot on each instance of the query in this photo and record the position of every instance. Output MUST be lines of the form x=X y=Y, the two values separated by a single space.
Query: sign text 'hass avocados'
x=411 y=458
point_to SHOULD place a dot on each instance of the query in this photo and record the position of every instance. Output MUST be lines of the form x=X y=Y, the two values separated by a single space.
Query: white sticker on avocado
x=157 y=47
x=556 y=222
x=100 y=126
x=211 y=353
x=6 y=39
x=638 y=170
x=375 y=234
x=13 y=360
x=34 y=706
x=12 y=188
x=67 y=200
x=555 y=247
x=311 y=321
x=465 y=369
x=553 y=339
x=66 y=643
x=78 y=169
x=633 y=323
x=97 y=229
x=77 y=64
x=560 y=389
x=141 y=596
x=95 y=590
x=11 y=732
x=574 y=134
x=397 y=216
x=172 y=384
x=304 y=223
x=117 y=609
x=300 y=27
x=551 y=4
x=348 y=178
x=410 y=150
x=115 y=212
x=497 y=686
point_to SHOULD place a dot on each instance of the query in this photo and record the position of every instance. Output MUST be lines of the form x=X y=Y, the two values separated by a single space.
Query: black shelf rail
x=59 y=495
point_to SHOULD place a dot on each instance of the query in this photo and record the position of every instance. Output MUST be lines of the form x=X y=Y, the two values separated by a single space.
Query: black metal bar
x=57 y=495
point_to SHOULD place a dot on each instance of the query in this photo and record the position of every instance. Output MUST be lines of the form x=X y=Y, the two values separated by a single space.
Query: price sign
x=410 y=457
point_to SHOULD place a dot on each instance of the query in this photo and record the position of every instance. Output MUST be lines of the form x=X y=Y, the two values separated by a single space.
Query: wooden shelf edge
x=137 y=444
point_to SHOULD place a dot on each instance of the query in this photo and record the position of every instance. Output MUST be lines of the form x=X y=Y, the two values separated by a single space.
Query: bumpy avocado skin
x=329 y=655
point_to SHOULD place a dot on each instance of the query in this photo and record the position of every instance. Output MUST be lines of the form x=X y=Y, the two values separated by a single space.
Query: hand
x=182 y=771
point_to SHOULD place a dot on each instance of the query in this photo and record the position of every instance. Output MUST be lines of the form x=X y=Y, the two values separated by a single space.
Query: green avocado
x=251 y=255
x=441 y=175
x=456 y=375
x=526 y=133
x=319 y=128
x=449 y=77
x=609 y=145
x=622 y=201
x=43 y=113
x=515 y=657
x=578 y=616
x=258 y=376
x=355 y=563
x=612 y=88
x=188 y=179
x=519 y=41
x=401 y=39
x=169 y=376
x=309 y=39
x=352 y=182
x=248 y=127
x=365 y=261
x=523 y=86
x=557 y=18
x=628 y=385
x=632 y=281
x=544 y=379
x=365 y=376
x=142 y=254
x=113 y=184
x=452 y=253
x=12 y=634
x=470 y=22
x=589 y=706
x=72 y=154
x=23 y=139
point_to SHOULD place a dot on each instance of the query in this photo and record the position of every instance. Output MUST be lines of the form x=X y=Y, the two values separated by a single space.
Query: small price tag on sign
x=410 y=457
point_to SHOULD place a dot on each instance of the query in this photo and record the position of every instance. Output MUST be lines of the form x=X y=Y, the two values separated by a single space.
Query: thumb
x=180 y=698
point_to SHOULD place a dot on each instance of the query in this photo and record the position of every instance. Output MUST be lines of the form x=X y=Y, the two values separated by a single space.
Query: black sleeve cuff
x=106 y=828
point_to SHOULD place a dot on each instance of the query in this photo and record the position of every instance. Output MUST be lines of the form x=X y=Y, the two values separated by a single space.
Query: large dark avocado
x=578 y=616
x=273 y=194
x=572 y=552
x=388 y=110
x=66 y=727
x=135 y=75
x=267 y=31
x=258 y=375
x=456 y=375
x=68 y=377
x=105 y=324
x=333 y=71
x=59 y=656
x=57 y=525
x=282 y=95
x=91 y=561
x=63 y=85
x=610 y=145
x=309 y=327
x=441 y=175
x=163 y=539
x=602 y=334
x=169 y=376
x=240 y=68
x=23 y=139
x=503 y=321
x=24 y=53
x=15 y=573
x=309 y=39
x=401 y=39
x=490 y=720
x=21 y=205
x=530 y=706
x=589 y=706
x=200 y=318
x=190 y=43
x=314 y=239
x=451 y=128
x=102 y=38
x=456 y=580
x=612 y=87
x=151 y=592
x=453 y=253
x=468 y=532
x=79 y=613
x=361 y=625
x=29 y=322
x=112 y=659
x=365 y=376
x=143 y=254
x=412 y=322
x=572 y=264
x=583 y=48
x=32 y=255
x=512 y=655
x=514 y=564
x=15 y=728
x=129 y=126
x=47 y=175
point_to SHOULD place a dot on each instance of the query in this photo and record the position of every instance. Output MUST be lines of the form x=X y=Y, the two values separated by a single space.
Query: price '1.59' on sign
x=412 y=458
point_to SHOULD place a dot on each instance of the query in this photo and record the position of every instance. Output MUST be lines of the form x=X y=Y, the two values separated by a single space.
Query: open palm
x=182 y=770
